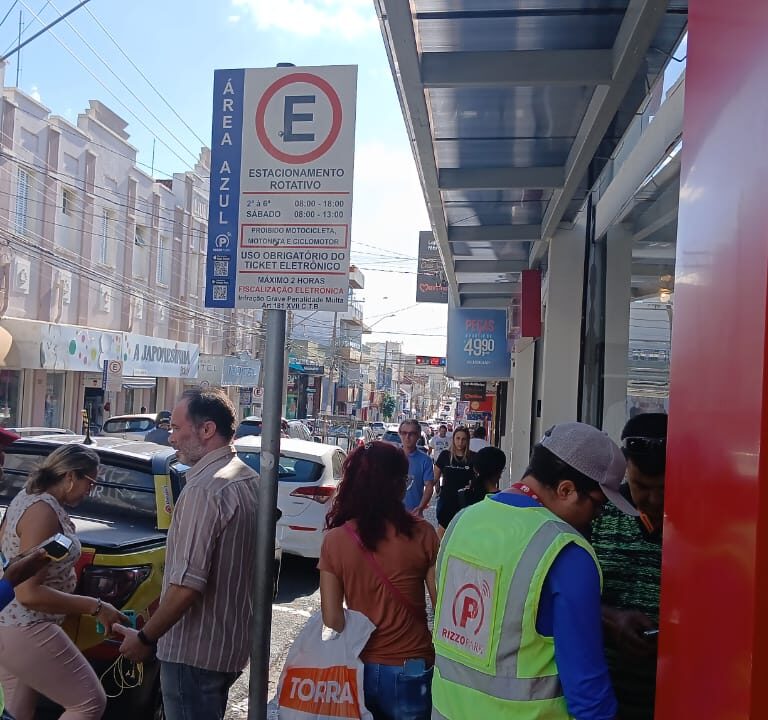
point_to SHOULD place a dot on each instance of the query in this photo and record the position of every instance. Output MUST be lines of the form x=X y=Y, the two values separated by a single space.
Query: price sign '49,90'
x=479 y=347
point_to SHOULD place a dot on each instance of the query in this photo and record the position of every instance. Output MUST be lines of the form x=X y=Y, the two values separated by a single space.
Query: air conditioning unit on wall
x=105 y=298
x=21 y=275
x=64 y=280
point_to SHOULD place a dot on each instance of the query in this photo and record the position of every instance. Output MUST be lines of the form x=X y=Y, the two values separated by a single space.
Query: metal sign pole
x=267 y=515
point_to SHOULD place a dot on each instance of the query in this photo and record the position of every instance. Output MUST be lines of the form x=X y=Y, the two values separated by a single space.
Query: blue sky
x=178 y=43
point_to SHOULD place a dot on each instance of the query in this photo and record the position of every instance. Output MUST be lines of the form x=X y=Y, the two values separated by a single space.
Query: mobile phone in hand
x=57 y=547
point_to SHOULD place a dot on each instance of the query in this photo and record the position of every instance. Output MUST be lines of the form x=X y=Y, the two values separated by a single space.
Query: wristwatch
x=145 y=640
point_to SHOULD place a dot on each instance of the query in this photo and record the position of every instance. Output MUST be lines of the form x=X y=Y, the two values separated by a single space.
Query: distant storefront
x=305 y=382
x=49 y=372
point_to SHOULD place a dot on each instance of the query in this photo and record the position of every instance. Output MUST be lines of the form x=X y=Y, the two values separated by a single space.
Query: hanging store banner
x=431 y=283
x=240 y=373
x=209 y=371
x=70 y=347
x=472 y=391
x=477 y=344
x=281 y=188
x=156 y=357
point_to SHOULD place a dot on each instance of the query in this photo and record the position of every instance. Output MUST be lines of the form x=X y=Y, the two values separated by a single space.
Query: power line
x=6 y=55
x=103 y=84
x=10 y=10
x=146 y=79
x=122 y=82
x=77 y=132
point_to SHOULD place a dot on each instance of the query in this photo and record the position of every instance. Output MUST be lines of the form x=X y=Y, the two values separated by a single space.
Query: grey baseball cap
x=593 y=453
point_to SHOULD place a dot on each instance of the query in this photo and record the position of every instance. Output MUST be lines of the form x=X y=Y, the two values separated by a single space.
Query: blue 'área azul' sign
x=224 y=204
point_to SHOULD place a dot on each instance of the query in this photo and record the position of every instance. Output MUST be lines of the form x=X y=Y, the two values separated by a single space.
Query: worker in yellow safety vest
x=518 y=625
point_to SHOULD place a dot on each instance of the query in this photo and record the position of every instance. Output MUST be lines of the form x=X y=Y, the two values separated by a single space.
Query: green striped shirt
x=631 y=564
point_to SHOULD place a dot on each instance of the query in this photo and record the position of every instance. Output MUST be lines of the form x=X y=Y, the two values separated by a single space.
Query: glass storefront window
x=10 y=397
x=54 y=400
x=650 y=334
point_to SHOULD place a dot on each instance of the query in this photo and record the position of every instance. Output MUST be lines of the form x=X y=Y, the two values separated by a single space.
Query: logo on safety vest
x=326 y=692
x=467 y=607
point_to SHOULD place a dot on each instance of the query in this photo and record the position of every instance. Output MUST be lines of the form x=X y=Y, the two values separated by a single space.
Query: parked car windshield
x=116 y=425
x=294 y=470
x=124 y=493
x=391 y=436
x=248 y=427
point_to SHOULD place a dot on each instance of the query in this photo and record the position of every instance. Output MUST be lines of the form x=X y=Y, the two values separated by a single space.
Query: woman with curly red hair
x=379 y=557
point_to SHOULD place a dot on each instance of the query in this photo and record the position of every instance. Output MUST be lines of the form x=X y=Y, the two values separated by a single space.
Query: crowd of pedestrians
x=545 y=593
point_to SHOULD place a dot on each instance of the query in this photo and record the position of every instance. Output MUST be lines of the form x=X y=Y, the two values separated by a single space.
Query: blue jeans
x=191 y=693
x=392 y=695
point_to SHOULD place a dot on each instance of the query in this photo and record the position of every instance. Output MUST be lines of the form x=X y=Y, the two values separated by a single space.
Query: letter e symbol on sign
x=290 y=117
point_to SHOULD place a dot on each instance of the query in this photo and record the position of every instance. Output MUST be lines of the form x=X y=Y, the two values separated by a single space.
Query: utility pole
x=267 y=514
x=44 y=30
x=18 y=59
x=285 y=363
x=384 y=370
x=329 y=391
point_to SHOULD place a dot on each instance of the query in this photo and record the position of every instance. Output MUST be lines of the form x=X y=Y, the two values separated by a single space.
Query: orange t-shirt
x=398 y=636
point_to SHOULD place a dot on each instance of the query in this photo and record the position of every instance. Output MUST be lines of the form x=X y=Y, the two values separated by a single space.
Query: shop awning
x=138 y=383
x=513 y=109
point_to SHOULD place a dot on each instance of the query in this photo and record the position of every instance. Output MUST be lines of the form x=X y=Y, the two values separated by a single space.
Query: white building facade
x=100 y=261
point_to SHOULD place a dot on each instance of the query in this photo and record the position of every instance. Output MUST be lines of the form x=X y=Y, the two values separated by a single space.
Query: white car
x=309 y=475
x=129 y=427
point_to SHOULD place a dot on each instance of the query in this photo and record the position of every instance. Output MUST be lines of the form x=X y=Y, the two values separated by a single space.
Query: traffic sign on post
x=281 y=188
x=112 y=376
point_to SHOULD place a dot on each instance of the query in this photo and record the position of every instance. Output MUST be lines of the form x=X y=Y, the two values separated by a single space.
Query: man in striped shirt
x=201 y=627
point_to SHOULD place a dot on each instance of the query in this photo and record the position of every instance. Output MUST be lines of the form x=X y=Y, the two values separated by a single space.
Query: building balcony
x=350 y=354
x=353 y=316
x=356 y=278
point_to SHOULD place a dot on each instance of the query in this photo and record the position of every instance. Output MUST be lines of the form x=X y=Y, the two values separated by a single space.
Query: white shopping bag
x=323 y=676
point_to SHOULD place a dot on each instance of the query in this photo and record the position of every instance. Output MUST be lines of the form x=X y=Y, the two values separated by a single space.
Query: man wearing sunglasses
x=629 y=550
x=421 y=478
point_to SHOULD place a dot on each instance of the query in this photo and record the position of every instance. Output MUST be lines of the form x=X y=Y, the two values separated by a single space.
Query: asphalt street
x=297 y=599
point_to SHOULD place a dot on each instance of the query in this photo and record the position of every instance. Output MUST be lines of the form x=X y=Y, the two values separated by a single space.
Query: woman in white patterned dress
x=36 y=655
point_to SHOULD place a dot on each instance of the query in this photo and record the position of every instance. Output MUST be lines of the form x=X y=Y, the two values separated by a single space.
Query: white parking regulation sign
x=281 y=188
x=113 y=376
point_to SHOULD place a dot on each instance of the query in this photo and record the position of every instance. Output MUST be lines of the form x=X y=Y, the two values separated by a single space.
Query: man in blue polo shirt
x=421 y=473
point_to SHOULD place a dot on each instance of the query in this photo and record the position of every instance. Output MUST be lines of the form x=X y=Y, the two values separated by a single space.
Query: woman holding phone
x=36 y=655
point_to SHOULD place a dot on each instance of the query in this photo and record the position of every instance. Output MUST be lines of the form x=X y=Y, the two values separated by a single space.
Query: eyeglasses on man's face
x=406 y=433
x=643 y=445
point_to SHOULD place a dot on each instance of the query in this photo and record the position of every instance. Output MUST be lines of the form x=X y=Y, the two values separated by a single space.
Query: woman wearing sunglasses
x=379 y=557
x=36 y=655
x=453 y=472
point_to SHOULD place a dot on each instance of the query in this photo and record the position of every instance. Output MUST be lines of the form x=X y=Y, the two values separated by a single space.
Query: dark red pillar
x=714 y=630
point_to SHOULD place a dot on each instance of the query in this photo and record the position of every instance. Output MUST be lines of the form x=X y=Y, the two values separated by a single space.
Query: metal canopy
x=513 y=108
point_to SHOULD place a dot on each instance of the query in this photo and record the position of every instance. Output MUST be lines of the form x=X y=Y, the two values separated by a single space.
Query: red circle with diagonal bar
x=327 y=89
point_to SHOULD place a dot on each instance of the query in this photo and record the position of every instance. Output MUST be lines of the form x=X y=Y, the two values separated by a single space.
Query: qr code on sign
x=220 y=292
x=220 y=268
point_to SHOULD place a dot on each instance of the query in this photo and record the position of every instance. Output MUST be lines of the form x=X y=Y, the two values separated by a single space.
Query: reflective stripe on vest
x=505 y=683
